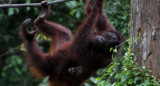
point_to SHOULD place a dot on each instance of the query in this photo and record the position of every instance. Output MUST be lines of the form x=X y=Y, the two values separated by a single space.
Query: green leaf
x=115 y=50
x=10 y=11
x=123 y=78
x=45 y=38
x=138 y=79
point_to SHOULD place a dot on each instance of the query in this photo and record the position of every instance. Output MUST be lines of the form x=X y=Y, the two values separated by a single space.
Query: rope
x=31 y=4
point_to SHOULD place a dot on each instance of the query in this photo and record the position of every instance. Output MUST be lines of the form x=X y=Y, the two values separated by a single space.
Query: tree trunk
x=145 y=31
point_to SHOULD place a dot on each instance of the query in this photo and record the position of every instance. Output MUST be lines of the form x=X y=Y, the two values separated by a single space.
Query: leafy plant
x=131 y=74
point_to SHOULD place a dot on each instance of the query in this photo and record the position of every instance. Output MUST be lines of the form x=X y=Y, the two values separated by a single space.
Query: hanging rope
x=31 y=4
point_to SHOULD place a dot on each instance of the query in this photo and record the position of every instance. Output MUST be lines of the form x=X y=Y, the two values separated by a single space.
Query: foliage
x=118 y=12
x=132 y=75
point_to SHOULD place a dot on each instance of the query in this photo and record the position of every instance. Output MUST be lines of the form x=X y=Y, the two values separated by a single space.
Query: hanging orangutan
x=71 y=62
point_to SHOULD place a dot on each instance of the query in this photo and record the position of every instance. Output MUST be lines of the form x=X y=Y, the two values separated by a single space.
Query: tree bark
x=145 y=31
